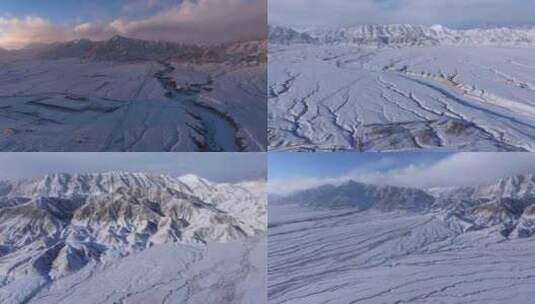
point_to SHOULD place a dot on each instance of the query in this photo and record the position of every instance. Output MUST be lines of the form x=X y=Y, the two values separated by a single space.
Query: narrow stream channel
x=217 y=129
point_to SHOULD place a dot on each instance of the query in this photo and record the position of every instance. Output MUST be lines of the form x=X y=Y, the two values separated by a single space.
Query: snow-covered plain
x=73 y=103
x=401 y=88
x=122 y=237
x=462 y=246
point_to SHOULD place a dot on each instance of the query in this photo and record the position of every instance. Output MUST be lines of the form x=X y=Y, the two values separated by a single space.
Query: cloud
x=454 y=13
x=16 y=33
x=93 y=31
x=463 y=169
x=210 y=21
x=202 y=20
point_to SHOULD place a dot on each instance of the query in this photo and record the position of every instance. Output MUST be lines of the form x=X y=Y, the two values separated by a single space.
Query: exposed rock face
x=61 y=222
x=122 y=49
x=526 y=223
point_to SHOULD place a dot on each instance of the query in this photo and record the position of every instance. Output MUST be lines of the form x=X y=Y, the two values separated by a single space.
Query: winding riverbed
x=217 y=130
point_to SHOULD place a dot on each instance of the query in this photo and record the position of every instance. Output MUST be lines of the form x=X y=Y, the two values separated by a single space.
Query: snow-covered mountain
x=502 y=202
x=526 y=224
x=507 y=203
x=405 y=35
x=321 y=255
x=118 y=48
x=124 y=49
x=57 y=224
x=285 y=35
x=521 y=186
x=362 y=197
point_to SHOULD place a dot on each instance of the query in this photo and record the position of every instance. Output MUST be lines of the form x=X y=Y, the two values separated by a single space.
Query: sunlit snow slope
x=401 y=87
x=131 y=238
x=357 y=243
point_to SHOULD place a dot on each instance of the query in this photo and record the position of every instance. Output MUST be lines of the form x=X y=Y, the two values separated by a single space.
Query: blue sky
x=289 y=172
x=72 y=11
x=219 y=167
x=61 y=11
x=452 y=13
x=325 y=165
x=23 y=22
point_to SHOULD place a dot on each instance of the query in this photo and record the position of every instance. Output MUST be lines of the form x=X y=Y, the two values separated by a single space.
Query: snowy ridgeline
x=132 y=95
x=402 y=96
x=381 y=244
x=402 y=35
x=131 y=238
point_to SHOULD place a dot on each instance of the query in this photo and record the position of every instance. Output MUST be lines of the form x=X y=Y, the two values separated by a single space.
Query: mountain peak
x=189 y=177
x=118 y=38
x=437 y=27
x=81 y=41
x=62 y=222
x=88 y=184
x=95 y=174
x=192 y=179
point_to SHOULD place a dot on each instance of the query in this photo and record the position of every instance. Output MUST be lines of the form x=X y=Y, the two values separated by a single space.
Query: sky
x=24 y=22
x=217 y=167
x=290 y=172
x=451 y=13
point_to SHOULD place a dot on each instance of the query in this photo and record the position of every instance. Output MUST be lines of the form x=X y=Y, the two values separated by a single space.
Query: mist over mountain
x=363 y=197
x=507 y=203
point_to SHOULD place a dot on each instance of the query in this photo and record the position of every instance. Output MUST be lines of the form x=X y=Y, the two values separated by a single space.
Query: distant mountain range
x=508 y=203
x=363 y=197
x=124 y=49
x=402 y=35
x=57 y=224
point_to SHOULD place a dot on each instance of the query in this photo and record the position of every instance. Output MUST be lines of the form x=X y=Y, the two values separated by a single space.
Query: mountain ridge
x=124 y=49
x=508 y=202
x=404 y=35
x=57 y=224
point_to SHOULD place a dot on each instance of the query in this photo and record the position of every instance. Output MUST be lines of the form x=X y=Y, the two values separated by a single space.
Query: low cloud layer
x=204 y=20
x=207 y=21
x=463 y=169
x=453 y=13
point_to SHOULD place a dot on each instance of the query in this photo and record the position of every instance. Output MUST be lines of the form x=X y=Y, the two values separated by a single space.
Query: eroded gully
x=215 y=130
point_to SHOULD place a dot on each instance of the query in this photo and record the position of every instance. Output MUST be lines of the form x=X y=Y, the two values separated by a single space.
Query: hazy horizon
x=455 y=14
x=311 y=27
x=216 y=167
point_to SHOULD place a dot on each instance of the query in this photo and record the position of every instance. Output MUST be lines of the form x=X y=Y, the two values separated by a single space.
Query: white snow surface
x=455 y=252
x=472 y=96
x=75 y=104
x=131 y=238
